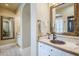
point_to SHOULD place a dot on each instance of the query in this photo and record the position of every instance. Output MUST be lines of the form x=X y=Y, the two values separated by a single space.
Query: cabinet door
x=43 y=50
x=57 y=52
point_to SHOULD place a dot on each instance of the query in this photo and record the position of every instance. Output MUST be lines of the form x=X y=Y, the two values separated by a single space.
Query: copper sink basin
x=57 y=42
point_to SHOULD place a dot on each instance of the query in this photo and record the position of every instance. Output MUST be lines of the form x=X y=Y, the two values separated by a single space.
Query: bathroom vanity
x=46 y=48
x=64 y=22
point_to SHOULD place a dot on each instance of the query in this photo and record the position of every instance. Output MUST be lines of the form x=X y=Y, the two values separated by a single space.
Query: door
x=59 y=24
x=70 y=24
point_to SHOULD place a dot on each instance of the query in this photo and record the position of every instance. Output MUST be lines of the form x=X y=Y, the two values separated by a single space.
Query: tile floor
x=12 y=50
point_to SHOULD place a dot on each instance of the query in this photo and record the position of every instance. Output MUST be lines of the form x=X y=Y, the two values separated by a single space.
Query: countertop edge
x=75 y=54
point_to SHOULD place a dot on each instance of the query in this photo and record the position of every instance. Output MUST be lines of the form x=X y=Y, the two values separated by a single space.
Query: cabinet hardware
x=40 y=46
x=51 y=49
x=49 y=55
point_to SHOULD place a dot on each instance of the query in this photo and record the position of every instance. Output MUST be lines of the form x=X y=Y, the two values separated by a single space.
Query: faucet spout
x=54 y=36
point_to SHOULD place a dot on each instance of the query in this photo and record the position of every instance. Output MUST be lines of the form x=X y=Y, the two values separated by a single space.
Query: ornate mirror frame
x=11 y=28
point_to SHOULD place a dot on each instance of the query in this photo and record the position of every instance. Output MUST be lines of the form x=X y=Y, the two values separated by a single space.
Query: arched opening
x=28 y=37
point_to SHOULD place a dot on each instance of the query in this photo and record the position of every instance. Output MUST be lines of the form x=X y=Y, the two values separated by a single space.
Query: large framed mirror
x=7 y=27
x=62 y=20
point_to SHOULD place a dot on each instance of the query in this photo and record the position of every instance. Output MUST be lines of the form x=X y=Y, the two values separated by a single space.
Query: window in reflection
x=70 y=24
x=7 y=28
x=59 y=24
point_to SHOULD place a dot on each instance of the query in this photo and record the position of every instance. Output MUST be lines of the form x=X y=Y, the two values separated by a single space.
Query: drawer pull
x=49 y=55
x=51 y=49
x=40 y=46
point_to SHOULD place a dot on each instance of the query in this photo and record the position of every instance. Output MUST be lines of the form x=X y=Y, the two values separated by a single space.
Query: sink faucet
x=48 y=35
x=54 y=36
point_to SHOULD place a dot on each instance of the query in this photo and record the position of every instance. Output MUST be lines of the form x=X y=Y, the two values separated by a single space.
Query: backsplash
x=68 y=38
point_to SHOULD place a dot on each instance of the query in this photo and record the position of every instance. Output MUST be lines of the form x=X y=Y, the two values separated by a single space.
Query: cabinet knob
x=40 y=46
x=49 y=55
x=51 y=49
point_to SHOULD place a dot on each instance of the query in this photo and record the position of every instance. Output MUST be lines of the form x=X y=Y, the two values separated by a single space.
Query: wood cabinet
x=0 y=28
x=47 y=50
x=76 y=12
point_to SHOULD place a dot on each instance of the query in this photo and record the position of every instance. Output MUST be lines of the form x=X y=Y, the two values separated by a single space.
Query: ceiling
x=10 y=6
x=64 y=5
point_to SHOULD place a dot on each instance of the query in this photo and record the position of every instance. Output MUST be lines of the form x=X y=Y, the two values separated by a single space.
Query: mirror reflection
x=7 y=27
x=63 y=19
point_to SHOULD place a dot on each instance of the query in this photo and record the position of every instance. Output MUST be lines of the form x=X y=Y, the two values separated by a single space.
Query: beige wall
x=69 y=10
x=43 y=15
x=18 y=25
x=5 y=12
x=17 y=22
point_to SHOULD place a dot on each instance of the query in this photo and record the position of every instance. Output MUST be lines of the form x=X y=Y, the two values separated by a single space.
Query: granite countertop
x=69 y=47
